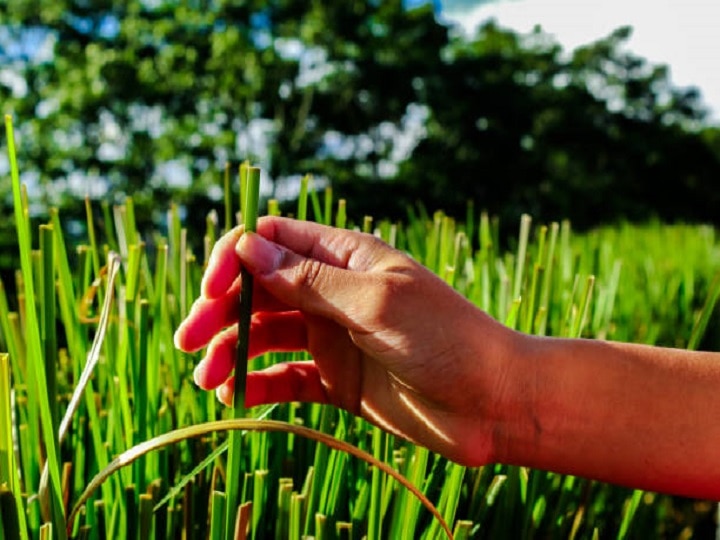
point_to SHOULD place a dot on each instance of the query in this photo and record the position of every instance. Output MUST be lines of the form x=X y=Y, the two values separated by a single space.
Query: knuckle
x=308 y=274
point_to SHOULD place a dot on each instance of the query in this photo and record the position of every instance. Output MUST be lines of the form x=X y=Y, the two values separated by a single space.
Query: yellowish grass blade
x=198 y=430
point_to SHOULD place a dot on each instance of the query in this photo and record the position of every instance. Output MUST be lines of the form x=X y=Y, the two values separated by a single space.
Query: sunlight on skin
x=422 y=416
x=376 y=418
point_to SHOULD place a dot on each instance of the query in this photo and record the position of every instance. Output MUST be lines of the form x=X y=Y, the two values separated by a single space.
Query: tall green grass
x=114 y=301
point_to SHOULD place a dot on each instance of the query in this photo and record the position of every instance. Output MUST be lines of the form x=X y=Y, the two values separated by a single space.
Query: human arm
x=634 y=415
x=392 y=342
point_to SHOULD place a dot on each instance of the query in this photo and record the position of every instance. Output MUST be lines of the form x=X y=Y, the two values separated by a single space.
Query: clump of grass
x=120 y=317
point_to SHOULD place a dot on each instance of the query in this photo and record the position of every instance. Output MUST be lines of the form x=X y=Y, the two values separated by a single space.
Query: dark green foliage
x=154 y=98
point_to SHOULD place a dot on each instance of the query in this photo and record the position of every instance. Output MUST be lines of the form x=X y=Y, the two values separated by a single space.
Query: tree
x=602 y=135
x=153 y=98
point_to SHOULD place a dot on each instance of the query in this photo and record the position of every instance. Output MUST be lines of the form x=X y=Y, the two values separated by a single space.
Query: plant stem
x=250 y=212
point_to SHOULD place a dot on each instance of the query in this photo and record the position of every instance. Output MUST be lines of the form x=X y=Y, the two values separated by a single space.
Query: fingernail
x=224 y=395
x=176 y=339
x=257 y=254
x=198 y=373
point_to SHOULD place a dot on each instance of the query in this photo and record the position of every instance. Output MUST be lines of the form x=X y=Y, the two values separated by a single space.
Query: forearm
x=627 y=414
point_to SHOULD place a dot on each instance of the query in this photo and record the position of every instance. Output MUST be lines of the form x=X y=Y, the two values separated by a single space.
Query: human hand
x=390 y=341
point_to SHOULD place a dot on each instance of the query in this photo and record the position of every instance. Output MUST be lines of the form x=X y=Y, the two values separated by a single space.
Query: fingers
x=280 y=332
x=209 y=316
x=309 y=284
x=280 y=383
x=223 y=266
x=332 y=246
x=336 y=247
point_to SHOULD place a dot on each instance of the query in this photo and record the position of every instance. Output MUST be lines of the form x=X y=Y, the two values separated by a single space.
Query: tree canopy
x=390 y=107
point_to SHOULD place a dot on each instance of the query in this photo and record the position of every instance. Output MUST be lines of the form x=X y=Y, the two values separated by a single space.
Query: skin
x=390 y=341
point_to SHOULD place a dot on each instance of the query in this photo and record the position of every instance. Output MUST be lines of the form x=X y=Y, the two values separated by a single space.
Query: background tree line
x=384 y=103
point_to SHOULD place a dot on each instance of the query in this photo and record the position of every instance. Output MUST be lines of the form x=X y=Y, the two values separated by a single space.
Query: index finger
x=223 y=266
x=350 y=250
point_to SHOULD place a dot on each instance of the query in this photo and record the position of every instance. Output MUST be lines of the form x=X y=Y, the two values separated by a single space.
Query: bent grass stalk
x=249 y=424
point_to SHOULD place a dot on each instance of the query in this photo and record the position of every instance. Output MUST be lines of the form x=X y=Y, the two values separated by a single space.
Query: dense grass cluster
x=114 y=301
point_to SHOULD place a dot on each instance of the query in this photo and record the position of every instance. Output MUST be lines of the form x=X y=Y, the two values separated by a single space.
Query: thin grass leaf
x=702 y=320
x=328 y=203
x=303 y=198
x=113 y=265
x=14 y=519
x=10 y=524
x=32 y=330
x=250 y=214
x=177 y=489
x=341 y=216
x=525 y=222
x=629 y=513
x=217 y=516
x=318 y=214
x=146 y=517
x=227 y=192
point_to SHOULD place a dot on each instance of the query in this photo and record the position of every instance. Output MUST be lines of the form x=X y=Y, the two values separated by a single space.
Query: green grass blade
x=146 y=517
x=47 y=317
x=318 y=214
x=250 y=214
x=227 y=192
x=581 y=316
x=91 y=236
x=303 y=198
x=703 y=318
x=629 y=514
x=341 y=216
x=328 y=203
x=242 y=176
x=217 y=516
x=375 y=517
x=33 y=332
x=9 y=479
x=10 y=524
x=525 y=222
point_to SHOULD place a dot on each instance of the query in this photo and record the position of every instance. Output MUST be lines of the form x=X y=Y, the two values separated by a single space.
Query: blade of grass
x=303 y=198
x=217 y=516
x=250 y=212
x=94 y=355
x=315 y=201
x=703 y=318
x=228 y=199
x=10 y=525
x=237 y=424
x=8 y=468
x=341 y=216
x=259 y=498
x=525 y=221
x=327 y=201
x=146 y=516
x=33 y=333
x=177 y=489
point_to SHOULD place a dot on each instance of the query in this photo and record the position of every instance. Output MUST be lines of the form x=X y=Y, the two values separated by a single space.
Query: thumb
x=304 y=283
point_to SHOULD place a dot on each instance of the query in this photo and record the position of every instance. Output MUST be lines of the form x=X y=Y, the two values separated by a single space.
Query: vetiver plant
x=88 y=329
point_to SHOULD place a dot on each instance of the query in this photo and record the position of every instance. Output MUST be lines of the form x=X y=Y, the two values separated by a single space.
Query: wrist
x=502 y=417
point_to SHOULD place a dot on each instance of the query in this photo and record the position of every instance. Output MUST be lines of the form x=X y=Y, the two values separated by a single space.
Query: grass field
x=109 y=306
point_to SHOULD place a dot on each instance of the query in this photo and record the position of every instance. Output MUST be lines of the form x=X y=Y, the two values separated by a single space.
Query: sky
x=683 y=34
